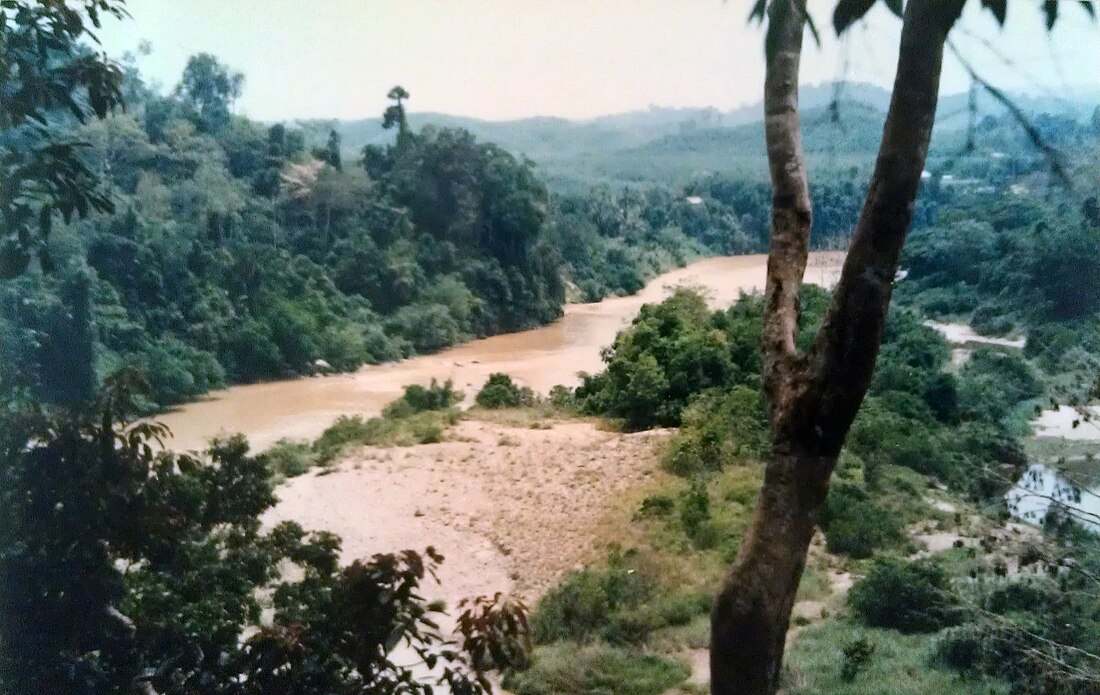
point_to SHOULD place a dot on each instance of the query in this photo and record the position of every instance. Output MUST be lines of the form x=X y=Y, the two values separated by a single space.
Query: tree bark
x=813 y=398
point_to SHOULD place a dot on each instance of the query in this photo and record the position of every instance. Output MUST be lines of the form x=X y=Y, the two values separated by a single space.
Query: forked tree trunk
x=813 y=397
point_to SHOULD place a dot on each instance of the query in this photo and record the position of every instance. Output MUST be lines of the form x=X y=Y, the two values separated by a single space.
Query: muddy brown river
x=540 y=358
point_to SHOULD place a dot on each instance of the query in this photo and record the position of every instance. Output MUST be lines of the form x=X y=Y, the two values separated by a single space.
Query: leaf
x=1050 y=10
x=848 y=12
x=896 y=6
x=1089 y=7
x=999 y=8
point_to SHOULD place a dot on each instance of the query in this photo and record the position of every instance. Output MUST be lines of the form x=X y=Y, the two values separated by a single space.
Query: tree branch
x=791 y=209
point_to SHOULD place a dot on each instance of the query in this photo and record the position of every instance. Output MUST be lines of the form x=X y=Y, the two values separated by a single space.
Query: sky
x=506 y=59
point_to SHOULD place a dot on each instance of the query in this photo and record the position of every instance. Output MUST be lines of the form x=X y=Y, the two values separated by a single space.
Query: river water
x=540 y=358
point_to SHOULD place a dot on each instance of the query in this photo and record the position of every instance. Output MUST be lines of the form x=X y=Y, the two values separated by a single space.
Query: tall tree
x=395 y=115
x=210 y=88
x=814 y=396
x=47 y=70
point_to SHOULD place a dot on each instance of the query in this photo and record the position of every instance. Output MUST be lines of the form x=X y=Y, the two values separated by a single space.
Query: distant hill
x=675 y=144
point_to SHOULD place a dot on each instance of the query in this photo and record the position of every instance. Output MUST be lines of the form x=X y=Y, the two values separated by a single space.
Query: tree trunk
x=813 y=398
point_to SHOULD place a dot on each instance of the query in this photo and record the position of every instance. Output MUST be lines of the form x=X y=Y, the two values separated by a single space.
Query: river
x=540 y=358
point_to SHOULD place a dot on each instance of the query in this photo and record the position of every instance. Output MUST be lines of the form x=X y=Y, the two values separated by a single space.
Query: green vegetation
x=420 y=416
x=594 y=668
x=155 y=567
x=898 y=664
x=501 y=392
x=855 y=525
x=908 y=596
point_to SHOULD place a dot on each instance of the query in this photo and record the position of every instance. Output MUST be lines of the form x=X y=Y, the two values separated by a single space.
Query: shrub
x=288 y=458
x=989 y=319
x=857 y=656
x=695 y=508
x=594 y=669
x=854 y=525
x=419 y=399
x=718 y=427
x=501 y=392
x=962 y=648
x=562 y=398
x=656 y=506
x=421 y=428
x=582 y=604
x=634 y=624
x=908 y=596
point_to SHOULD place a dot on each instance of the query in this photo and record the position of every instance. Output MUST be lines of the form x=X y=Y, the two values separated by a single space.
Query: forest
x=818 y=496
x=239 y=252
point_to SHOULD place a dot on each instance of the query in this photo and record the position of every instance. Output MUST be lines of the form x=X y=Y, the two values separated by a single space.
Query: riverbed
x=539 y=358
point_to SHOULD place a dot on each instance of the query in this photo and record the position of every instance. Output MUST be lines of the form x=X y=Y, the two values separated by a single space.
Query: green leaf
x=896 y=6
x=848 y=12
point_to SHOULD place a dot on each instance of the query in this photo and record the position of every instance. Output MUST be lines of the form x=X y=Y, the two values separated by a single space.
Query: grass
x=595 y=669
x=899 y=665
x=421 y=416
x=540 y=415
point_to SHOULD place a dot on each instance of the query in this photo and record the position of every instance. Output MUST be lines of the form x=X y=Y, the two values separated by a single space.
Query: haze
x=499 y=59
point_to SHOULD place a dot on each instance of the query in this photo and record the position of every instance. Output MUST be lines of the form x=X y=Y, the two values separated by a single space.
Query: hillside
x=673 y=145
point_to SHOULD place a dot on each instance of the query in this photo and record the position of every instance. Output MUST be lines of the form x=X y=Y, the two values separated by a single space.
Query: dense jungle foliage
x=239 y=252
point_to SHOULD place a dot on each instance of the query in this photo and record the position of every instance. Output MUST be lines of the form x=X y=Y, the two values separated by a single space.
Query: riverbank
x=539 y=358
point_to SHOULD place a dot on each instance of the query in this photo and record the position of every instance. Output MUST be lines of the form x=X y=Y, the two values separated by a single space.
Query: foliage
x=137 y=566
x=350 y=431
x=857 y=655
x=419 y=399
x=909 y=596
x=501 y=392
x=856 y=526
x=623 y=604
x=901 y=663
x=717 y=428
x=695 y=512
x=48 y=74
x=671 y=351
x=289 y=458
x=567 y=669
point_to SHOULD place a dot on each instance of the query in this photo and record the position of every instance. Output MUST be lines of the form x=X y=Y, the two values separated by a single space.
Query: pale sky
x=503 y=59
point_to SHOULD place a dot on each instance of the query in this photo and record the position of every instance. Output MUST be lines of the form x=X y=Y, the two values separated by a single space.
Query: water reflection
x=1041 y=488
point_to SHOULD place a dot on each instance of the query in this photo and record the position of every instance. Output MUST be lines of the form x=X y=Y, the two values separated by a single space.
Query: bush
x=582 y=604
x=622 y=604
x=962 y=648
x=659 y=506
x=594 y=669
x=562 y=398
x=717 y=428
x=422 y=428
x=501 y=392
x=288 y=458
x=908 y=596
x=419 y=399
x=634 y=624
x=854 y=525
x=695 y=508
x=857 y=656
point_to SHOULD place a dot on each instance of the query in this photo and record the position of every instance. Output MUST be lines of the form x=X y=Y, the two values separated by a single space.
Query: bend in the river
x=540 y=358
